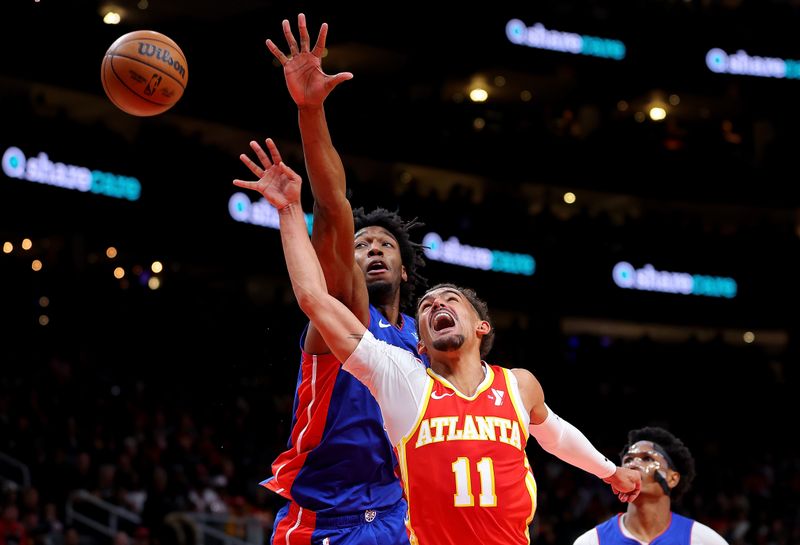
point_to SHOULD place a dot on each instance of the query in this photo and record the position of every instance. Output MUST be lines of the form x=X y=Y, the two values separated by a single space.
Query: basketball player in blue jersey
x=667 y=469
x=338 y=472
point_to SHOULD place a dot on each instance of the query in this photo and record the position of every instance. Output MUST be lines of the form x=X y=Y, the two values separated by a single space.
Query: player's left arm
x=562 y=439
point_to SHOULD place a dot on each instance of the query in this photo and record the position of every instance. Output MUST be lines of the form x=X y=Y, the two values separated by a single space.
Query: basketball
x=144 y=73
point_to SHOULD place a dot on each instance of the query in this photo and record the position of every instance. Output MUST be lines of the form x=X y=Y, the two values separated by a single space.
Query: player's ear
x=673 y=478
x=421 y=348
x=403 y=273
x=483 y=327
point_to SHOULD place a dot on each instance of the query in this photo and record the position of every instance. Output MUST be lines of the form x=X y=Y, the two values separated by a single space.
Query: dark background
x=126 y=385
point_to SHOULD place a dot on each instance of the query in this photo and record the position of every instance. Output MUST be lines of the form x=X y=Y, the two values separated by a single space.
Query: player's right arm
x=332 y=234
x=565 y=441
x=340 y=329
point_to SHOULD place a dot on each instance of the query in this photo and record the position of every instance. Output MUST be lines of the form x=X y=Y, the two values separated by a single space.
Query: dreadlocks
x=410 y=252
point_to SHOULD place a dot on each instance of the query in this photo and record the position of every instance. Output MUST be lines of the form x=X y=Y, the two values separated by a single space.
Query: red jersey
x=464 y=465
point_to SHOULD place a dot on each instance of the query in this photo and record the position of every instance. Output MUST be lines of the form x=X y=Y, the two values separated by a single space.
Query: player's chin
x=378 y=287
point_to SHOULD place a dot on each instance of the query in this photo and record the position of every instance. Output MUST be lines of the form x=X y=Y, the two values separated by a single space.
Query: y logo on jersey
x=498 y=397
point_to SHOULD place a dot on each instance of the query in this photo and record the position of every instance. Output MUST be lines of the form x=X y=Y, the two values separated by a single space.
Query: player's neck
x=464 y=371
x=648 y=518
x=390 y=309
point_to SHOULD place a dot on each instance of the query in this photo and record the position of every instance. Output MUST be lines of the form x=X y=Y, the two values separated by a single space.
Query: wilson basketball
x=144 y=73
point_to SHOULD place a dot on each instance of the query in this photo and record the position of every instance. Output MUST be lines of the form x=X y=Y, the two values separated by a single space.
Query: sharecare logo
x=453 y=252
x=538 y=37
x=649 y=279
x=41 y=169
x=740 y=63
x=260 y=212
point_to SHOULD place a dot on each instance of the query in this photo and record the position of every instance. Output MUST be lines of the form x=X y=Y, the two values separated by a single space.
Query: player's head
x=665 y=462
x=388 y=257
x=449 y=316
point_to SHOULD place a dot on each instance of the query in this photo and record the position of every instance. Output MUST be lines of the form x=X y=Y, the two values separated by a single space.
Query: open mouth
x=377 y=267
x=442 y=320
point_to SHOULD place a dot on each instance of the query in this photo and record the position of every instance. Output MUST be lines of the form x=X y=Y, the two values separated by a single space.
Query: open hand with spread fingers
x=278 y=183
x=308 y=84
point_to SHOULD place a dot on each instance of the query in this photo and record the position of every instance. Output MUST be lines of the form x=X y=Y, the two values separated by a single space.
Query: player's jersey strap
x=466 y=457
x=339 y=459
x=679 y=532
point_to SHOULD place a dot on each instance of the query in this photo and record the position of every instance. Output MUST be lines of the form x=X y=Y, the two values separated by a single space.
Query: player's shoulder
x=525 y=378
x=705 y=535
x=587 y=538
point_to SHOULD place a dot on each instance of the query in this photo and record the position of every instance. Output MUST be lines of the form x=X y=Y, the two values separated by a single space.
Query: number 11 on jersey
x=463 y=496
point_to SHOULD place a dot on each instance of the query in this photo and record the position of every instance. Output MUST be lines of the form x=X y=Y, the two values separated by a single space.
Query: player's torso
x=339 y=458
x=465 y=470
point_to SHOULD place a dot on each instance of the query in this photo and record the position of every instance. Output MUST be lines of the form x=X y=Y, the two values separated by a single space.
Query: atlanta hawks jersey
x=462 y=459
x=339 y=460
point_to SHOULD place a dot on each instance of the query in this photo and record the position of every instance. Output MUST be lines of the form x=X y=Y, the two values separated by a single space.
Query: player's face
x=378 y=255
x=643 y=457
x=446 y=321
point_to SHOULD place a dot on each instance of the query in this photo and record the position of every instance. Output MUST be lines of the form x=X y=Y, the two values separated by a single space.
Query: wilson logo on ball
x=150 y=50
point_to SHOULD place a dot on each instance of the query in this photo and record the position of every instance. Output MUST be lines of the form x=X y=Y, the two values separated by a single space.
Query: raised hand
x=308 y=84
x=626 y=483
x=278 y=183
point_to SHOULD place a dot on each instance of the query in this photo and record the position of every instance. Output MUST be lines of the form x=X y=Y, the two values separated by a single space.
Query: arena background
x=166 y=393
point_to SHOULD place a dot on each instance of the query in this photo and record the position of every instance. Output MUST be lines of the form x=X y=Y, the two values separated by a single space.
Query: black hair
x=480 y=307
x=679 y=454
x=410 y=252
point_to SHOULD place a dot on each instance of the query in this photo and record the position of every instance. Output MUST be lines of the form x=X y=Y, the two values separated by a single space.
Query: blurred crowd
x=177 y=400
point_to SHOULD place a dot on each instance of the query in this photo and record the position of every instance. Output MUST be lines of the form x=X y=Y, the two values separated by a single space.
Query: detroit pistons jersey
x=679 y=532
x=339 y=459
x=464 y=462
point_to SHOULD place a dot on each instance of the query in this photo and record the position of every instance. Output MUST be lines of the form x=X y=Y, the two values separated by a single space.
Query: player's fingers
x=288 y=170
x=273 y=151
x=261 y=154
x=303 y=31
x=245 y=184
x=283 y=59
x=333 y=81
x=287 y=31
x=254 y=168
x=319 y=47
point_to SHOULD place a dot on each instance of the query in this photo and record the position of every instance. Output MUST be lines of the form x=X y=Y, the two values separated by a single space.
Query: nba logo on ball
x=144 y=73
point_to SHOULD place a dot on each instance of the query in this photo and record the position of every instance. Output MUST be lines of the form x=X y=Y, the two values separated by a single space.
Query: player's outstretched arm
x=280 y=186
x=562 y=439
x=332 y=234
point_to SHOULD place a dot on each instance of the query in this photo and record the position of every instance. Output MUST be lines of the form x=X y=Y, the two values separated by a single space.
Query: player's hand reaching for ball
x=626 y=483
x=278 y=183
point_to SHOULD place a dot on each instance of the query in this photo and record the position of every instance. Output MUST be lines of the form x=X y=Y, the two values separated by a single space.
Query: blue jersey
x=339 y=459
x=679 y=532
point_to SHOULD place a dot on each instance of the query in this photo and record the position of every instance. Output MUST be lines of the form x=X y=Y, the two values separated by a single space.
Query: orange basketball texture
x=144 y=73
